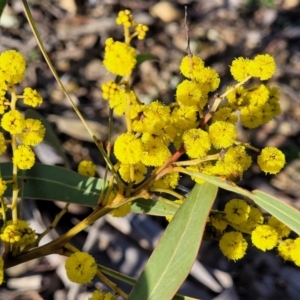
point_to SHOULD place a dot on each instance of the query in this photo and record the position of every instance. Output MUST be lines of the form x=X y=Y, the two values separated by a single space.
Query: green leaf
x=279 y=209
x=2 y=5
x=60 y=184
x=276 y=207
x=176 y=251
x=156 y=208
x=55 y=183
x=131 y=281
x=140 y=58
x=50 y=136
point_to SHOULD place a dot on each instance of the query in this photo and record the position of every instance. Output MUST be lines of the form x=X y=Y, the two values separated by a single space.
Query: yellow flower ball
x=99 y=295
x=119 y=58
x=3 y=145
x=13 y=122
x=196 y=143
x=33 y=133
x=191 y=66
x=32 y=97
x=81 y=267
x=128 y=149
x=24 y=157
x=222 y=134
x=295 y=252
x=271 y=160
x=233 y=245
x=12 y=65
x=237 y=211
x=263 y=66
x=285 y=247
x=240 y=68
x=87 y=168
x=264 y=237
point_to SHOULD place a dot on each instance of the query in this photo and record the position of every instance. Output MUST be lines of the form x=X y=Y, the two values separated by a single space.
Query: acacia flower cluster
x=266 y=233
x=21 y=134
x=155 y=128
x=29 y=132
x=207 y=135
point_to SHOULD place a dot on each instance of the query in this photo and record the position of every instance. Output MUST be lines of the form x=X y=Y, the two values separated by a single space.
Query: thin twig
x=186 y=27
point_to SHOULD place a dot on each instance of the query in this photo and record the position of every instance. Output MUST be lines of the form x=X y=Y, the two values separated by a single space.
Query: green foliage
x=2 y=6
x=177 y=248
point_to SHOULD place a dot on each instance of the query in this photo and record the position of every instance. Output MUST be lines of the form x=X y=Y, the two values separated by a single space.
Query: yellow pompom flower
x=255 y=218
x=125 y=18
x=233 y=245
x=295 y=252
x=12 y=65
x=128 y=149
x=168 y=181
x=141 y=31
x=3 y=186
x=32 y=97
x=99 y=295
x=109 y=89
x=119 y=58
x=154 y=121
x=240 y=68
x=281 y=228
x=222 y=134
x=264 y=237
x=263 y=66
x=11 y=234
x=237 y=97
x=26 y=235
x=196 y=143
x=239 y=155
x=13 y=122
x=121 y=99
x=3 y=145
x=24 y=157
x=139 y=170
x=188 y=93
x=285 y=247
x=87 y=168
x=33 y=133
x=271 y=160
x=218 y=222
x=225 y=114
x=3 y=104
x=81 y=267
x=232 y=171
x=155 y=151
x=237 y=211
x=3 y=85
x=208 y=78
x=258 y=95
x=184 y=117
x=191 y=66
x=251 y=116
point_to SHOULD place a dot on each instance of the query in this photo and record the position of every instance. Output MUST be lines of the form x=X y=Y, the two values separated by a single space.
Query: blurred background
x=74 y=32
